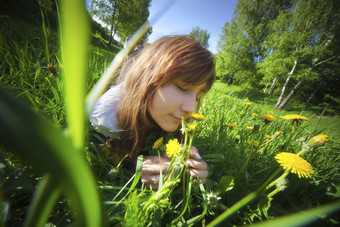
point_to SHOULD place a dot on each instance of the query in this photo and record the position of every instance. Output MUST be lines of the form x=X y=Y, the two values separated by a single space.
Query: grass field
x=261 y=166
x=328 y=122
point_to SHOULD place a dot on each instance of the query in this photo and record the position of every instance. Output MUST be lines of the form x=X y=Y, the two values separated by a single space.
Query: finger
x=198 y=173
x=151 y=165
x=194 y=153
x=150 y=181
x=202 y=165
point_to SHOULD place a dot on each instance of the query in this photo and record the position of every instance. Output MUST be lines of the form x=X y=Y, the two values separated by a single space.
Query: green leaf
x=226 y=184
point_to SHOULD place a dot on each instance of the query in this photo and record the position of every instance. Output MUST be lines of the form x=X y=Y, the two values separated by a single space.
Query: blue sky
x=183 y=15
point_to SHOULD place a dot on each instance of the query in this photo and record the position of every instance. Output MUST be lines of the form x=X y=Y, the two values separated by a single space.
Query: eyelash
x=183 y=89
x=180 y=88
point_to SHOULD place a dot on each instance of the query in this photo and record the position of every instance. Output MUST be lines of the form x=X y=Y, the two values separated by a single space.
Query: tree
x=235 y=60
x=123 y=17
x=201 y=35
x=286 y=43
x=300 y=42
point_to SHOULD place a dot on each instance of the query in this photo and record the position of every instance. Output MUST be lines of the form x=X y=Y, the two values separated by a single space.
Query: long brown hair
x=152 y=68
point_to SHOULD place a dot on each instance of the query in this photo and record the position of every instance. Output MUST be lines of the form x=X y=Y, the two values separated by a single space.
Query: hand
x=151 y=169
x=198 y=167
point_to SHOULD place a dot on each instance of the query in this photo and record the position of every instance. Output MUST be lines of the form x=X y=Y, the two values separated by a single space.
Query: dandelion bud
x=158 y=143
x=318 y=141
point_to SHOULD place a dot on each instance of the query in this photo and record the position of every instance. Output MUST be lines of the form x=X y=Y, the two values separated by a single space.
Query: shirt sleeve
x=103 y=116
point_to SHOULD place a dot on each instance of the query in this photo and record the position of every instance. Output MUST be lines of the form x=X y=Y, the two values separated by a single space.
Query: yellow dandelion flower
x=223 y=96
x=231 y=125
x=254 y=143
x=197 y=116
x=269 y=137
x=277 y=133
x=172 y=147
x=318 y=141
x=270 y=112
x=192 y=126
x=248 y=103
x=250 y=128
x=254 y=114
x=158 y=143
x=268 y=118
x=295 y=164
x=295 y=118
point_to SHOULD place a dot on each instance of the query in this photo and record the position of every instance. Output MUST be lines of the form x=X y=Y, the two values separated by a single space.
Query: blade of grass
x=43 y=202
x=43 y=145
x=74 y=49
x=302 y=218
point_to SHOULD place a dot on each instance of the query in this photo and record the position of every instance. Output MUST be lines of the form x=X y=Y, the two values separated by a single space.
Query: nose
x=189 y=103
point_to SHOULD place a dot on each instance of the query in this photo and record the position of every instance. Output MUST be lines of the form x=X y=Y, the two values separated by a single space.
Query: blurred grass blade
x=47 y=52
x=302 y=218
x=43 y=202
x=105 y=79
x=74 y=49
x=42 y=144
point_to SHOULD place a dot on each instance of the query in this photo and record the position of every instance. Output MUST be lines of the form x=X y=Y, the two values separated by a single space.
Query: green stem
x=270 y=195
x=274 y=181
x=187 y=198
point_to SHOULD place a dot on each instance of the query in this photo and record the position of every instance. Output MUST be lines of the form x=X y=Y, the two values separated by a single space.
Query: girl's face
x=173 y=102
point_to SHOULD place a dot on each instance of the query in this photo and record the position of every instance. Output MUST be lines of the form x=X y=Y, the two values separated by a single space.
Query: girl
x=156 y=88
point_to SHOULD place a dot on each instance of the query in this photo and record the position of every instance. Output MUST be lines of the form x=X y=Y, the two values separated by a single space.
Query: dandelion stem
x=274 y=181
x=270 y=195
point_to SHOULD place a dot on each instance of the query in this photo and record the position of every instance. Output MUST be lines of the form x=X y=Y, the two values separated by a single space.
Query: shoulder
x=103 y=115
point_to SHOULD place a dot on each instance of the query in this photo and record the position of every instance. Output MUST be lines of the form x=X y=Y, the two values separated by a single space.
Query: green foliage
x=201 y=35
x=265 y=39
x=123 y=17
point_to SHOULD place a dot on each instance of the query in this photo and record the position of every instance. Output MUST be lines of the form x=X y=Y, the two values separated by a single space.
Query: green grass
x=328 y=124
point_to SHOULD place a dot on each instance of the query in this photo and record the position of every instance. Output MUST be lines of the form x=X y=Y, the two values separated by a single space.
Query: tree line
x=122 y=17
x=282 y=47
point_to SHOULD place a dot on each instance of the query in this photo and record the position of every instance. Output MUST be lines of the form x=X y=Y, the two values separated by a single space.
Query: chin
x=170 y=128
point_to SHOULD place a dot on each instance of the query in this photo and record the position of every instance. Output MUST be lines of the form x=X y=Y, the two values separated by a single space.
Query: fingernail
x=189 y=162
x=197 y=156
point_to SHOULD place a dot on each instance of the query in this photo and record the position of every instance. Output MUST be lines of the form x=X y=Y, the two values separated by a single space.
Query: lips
x=176 y=118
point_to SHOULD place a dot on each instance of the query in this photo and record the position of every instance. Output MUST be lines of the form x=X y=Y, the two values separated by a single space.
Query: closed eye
x=180 y=88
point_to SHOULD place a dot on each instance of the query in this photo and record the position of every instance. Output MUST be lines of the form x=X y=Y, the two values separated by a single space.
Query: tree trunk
x=231 y=78
x=265 y=89
x=110 y=37
x=113 y=22
x=289 y=96
x=230 y=81
x=311 y=96
x=273 y=86
x=285 y=85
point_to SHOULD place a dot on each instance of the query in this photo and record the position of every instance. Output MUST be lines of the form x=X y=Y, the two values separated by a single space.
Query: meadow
x=266 y=167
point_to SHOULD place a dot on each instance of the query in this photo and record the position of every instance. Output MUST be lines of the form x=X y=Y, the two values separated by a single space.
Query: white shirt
x=103 y=116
